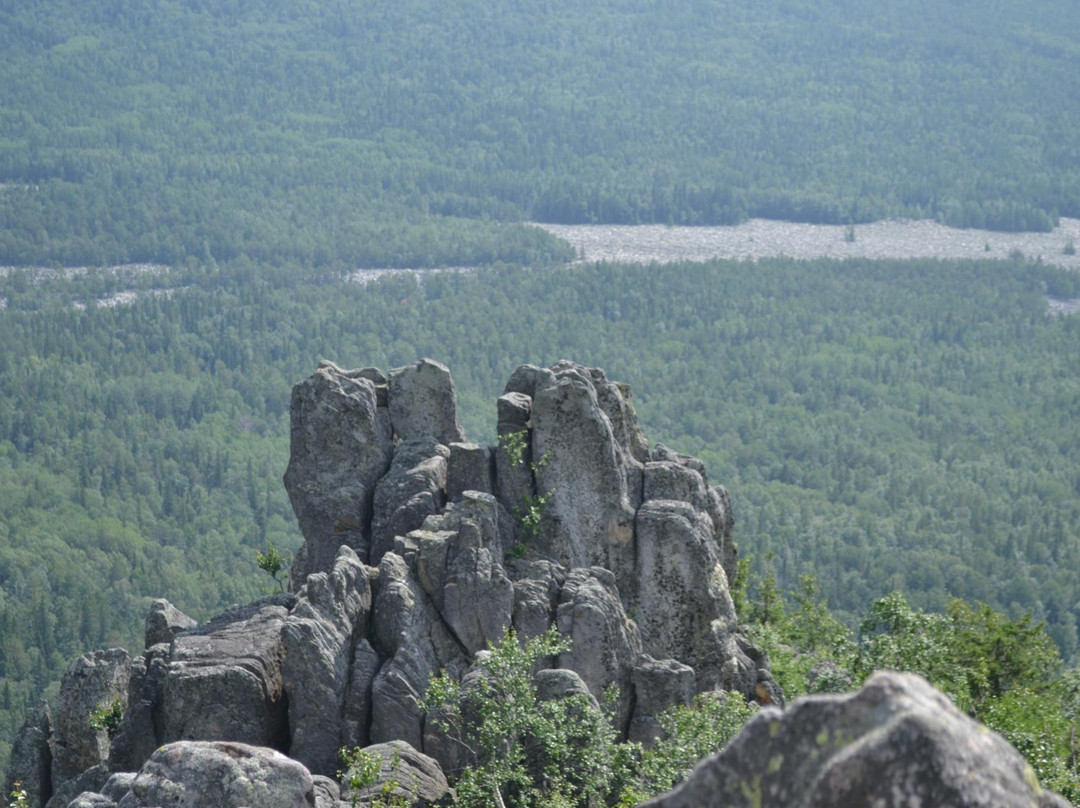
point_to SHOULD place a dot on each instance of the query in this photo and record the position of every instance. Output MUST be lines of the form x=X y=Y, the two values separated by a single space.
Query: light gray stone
x=90 y=781
x=423 y=403
x=537 y=584
x=193 y=774
x=341 y=444
x=139 y=733
x=895 y=743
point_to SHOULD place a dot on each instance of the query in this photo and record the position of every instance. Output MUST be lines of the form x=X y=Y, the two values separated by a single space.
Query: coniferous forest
x=883 y=426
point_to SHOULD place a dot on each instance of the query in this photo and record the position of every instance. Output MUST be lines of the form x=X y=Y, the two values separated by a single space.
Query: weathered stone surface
x=164 y=621
x=588 y=519
x=457 y=567
x=91 y=799
x=537 y=584
x=340 y=446
x=224 y=678
x=191 y=774
x=423 y=403
x=558 y=683
x=418 y=778
x=320 y=636
x=356 y=718
x=412 y=638
x=140 y=730
x=118 y=785
x=327 y=791
x=92 y=780
x=469 y=468
x=895 y=743
x=527 y=379
x=413 y=489
x=659 y=684
x=514 y=482
x=682 y=601
x=91 y=682
x=31 y=757
x=604 y=643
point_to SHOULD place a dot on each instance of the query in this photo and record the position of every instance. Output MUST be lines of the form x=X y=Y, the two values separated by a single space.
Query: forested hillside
x=882 y=425
x=416 y=133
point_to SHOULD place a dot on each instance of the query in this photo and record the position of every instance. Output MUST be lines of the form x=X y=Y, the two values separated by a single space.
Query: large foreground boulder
x=895 y=743
x=191 y=774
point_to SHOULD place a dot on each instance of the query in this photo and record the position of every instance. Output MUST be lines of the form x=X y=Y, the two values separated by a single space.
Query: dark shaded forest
x=416 y=133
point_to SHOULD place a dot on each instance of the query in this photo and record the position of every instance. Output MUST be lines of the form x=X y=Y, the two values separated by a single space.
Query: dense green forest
x=419 y=133
x=881 y=425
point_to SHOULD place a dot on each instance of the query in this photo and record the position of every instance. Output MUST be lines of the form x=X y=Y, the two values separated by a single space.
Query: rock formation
x=420 y=549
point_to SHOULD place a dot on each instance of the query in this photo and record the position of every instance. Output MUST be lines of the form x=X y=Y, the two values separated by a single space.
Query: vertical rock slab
x=468 y=469
x=224 y=678
x=319 y=638
x=681 y=599
x=605 y=644
x=588 y=519
x=423 y=403
x=340 y=445
x=30 y=763
x=659 y=684
x=140 y=730
x=92 y=682
x=415 y=642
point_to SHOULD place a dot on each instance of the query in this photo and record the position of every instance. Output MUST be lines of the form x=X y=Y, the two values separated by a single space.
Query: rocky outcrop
x=420 y=550
x=896 y=742
x=405 y=774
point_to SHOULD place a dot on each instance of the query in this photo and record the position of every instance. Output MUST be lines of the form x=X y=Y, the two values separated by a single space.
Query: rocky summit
x=420 y=551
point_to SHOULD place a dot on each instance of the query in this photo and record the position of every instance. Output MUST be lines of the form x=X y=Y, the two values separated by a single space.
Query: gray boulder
x=320 y=637
x=423 y=403
x=413 y=489
x=414 y=776
x=895 y=743
x=604 y=643
x=92 y=682
x=224 y=678
x=191 y=774
x=558 y=683
x=341 y=444
x=513 y=474
x=30 y=763
x=164 y=621
x=91 y=799
x=659 y=684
